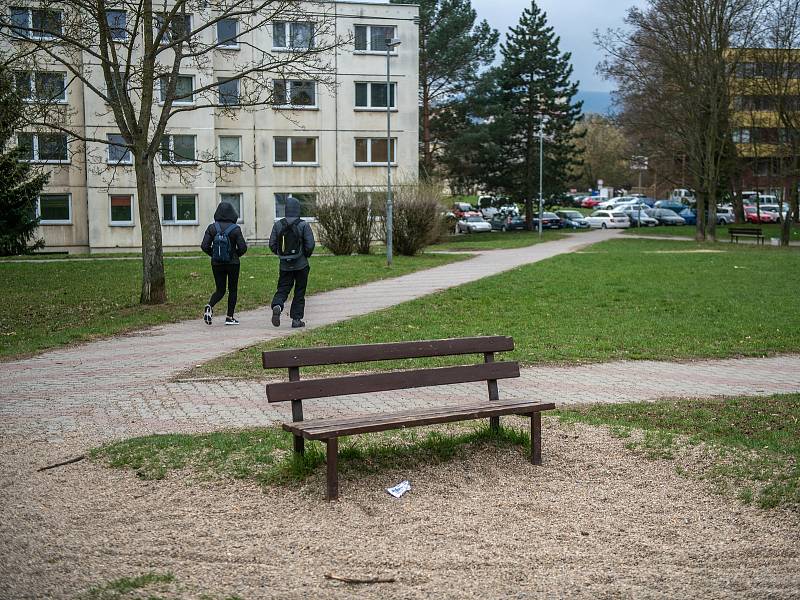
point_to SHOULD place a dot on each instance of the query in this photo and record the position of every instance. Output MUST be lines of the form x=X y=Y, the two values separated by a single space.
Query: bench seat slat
x=380 y=382
x=307 y=357
x=320 y=429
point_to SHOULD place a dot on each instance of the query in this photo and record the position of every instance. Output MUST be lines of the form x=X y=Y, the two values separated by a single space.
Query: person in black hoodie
x=294 y=267
x=224 y=272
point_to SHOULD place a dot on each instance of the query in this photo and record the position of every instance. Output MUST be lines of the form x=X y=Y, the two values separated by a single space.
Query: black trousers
x=287 y=279
x=223 y=274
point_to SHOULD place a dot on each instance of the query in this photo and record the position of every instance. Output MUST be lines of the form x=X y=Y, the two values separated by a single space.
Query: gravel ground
x=595 y=521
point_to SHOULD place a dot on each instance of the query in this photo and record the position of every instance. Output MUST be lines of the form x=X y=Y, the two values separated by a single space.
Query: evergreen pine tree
x=532 y=81
x=19 y=187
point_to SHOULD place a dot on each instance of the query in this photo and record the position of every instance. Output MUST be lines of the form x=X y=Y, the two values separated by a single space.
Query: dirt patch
x=594 y=521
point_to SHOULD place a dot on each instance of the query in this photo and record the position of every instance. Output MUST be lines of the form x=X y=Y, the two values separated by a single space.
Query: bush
x=344 y=219
x=417 y=217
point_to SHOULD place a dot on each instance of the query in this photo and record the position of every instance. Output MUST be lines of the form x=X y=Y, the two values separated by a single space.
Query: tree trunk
x=786 y=227
x=711 y=208
x=154 y=288
x=700 y=228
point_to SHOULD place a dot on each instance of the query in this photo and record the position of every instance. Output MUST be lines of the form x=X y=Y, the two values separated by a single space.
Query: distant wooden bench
x=753 y=232
x=329 y=430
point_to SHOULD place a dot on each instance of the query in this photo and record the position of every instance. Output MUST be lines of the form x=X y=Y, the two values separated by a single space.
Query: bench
x=737 y=232
x=331 y=429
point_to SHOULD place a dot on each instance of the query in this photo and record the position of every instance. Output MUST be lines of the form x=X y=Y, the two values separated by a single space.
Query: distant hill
x=595 y=102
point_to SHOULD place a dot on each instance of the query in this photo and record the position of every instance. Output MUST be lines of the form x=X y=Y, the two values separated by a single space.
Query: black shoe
x=276 y=315
x=298 y=323
x=208 y=314
x=231 y=321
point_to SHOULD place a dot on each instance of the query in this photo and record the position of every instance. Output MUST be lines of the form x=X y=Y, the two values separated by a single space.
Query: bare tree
x=674 y=69
x=130 y=54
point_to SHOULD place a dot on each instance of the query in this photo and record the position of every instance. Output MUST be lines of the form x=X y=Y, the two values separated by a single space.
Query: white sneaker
x=231 y=321
x=208 y=314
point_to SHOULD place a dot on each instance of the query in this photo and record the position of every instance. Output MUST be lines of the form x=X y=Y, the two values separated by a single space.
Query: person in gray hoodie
x=224 y=272
x=293 y=241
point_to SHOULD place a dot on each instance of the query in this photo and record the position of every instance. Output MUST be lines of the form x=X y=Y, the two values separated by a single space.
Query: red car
x=751 y=215
x=591 y=201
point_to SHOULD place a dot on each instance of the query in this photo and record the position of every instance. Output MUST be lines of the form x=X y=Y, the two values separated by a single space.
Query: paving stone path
x=119 y=386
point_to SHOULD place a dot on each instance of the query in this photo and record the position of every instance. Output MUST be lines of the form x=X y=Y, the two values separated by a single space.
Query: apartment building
x=313 y=135
x=765 y=81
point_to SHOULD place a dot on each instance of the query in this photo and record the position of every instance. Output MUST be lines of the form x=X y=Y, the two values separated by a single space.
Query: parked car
x=672 y=205
x=508 y=209
x=549 y=220
x=460 y=209
x=507 y=223
x=638 y=216
x=617 y=201
x=725 y=215
x=606 y=219
x=665 y=216
x=591 y=201
x=473 y=225
x=754 y=215
x=689 y=216
x=778 y=209
x=572 y=219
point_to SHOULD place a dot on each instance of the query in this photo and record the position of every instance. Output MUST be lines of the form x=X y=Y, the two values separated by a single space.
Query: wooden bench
x=737 y=232
x=329 y=430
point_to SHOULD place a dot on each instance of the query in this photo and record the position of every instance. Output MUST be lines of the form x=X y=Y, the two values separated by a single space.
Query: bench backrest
x=295 y=390
x=744 y=230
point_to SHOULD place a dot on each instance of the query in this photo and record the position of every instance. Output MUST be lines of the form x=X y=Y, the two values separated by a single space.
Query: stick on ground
x=359 y=579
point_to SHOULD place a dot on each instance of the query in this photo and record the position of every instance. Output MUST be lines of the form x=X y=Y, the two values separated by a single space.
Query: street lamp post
x=541 y=167
x=391 y=43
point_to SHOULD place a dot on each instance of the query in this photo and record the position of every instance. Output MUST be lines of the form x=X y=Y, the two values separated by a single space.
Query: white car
x=776 y=208
x=606 y=219
x=614 y=202
x=725 y=215
x=473 y=225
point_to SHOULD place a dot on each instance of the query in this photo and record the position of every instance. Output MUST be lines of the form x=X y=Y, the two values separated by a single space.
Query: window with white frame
x=372 y=151
x=373 y=95
x=118 y=151
x=184 y=89
x=227 y=33
x=178 y=149
x=230 y=149
x=44 y=86
x=294 y=93
x=117 y=21
x=228 y=92
x=43 y=147
x=372 y=38
x=54 y=209
x=295 y=150
x=741 y=136
x=308 y=204
x=36 y=23
x=235 y=200
x=179 y=209
x=294 y=35
x=121 y=209
x=180 y=26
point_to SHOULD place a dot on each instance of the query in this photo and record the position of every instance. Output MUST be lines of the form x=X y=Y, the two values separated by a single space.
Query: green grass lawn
x=50 y=304
x=753 y=442
x=496 y=240
x=620 y=299
x=769 y=230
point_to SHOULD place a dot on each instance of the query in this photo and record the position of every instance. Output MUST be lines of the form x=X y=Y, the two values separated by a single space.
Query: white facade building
x=323 y=136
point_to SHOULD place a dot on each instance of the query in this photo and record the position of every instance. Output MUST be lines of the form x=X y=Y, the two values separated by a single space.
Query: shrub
x=335 y=207
x=417 y=217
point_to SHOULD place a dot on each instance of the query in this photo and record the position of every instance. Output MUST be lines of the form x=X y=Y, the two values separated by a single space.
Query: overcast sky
x=573 y=20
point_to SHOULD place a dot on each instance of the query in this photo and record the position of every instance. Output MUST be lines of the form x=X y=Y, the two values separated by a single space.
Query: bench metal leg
x=299 y=444
x=332 y=464
x=494 y=423
x=536 y=438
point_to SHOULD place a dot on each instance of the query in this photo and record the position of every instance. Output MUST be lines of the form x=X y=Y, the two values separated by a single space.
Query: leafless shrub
x=417 y=217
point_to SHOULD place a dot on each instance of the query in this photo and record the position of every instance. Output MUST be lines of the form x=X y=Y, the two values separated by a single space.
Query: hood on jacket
x=292 y=209
x=225 y=212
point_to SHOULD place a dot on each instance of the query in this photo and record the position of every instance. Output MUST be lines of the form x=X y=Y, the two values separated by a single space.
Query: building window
x=178 y=149
x=295 y=151
x=54 y=209
x=292 y=36
x=741 y=136
x=180 y=26
x=184 y=89
x=373 y=95
x=41 y=86
x=228 y=92
x=230 y=149
x=235 y=200
x=118 y=152
x=227 y=33
x=308 y=203
x=372 y=151
x=43 y=147
x=121 y=209
x=179 y=209
x=36 y=23
x=372 y=38
x=295 y=93
x=117 y=24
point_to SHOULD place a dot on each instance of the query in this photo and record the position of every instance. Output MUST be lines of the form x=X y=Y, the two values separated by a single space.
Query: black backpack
x=290 y=241
x=221 y=250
